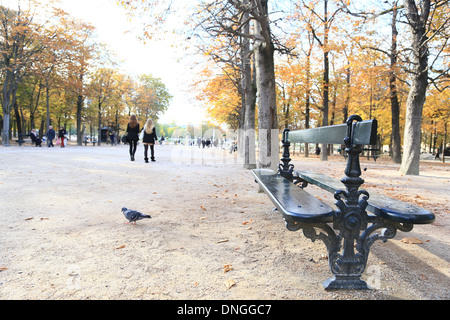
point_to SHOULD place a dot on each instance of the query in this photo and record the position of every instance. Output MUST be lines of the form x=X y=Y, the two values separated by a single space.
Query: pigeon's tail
x=146 y=216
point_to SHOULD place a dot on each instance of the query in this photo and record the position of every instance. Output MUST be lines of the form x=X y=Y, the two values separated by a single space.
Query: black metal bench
x=373 y=153
x=22 y=137
x=350 y=226
x=86 y=141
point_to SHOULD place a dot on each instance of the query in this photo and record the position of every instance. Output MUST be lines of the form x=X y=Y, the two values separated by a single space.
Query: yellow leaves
x=229 y=283
x=218 y=93
x=411 y=241
x=227 y=268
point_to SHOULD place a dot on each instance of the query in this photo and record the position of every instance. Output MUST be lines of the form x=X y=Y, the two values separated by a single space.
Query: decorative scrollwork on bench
x=285 y=169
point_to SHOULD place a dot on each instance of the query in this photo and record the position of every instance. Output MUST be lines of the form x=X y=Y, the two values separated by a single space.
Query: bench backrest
x=363 y=133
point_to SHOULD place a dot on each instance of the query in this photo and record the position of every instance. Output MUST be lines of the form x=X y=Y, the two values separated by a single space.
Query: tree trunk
x=444 y=141
x=308 y=89
x=79 y=110
x=6 y=106
x=416 y=97
x=395 y=105
x=347 y=94
x=249 y=101
x=18 y=118
x=326 y=80
x=99 y=140
x=267 y=113
x=47 y=119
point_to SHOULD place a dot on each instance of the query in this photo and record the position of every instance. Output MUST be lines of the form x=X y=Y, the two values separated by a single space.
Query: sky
x=158 y=58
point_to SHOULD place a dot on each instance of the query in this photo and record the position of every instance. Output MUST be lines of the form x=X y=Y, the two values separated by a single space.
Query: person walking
x=133 y=135
x=62 y=135
x=51 y=134
x=112 y=136
x=436 y=157
x=149 y=139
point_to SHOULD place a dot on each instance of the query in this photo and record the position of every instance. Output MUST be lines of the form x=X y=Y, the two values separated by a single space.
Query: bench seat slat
x=292 y=201
x=380 y=205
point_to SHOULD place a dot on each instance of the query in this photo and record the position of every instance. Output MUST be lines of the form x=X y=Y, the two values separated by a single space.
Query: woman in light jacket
x=149 y=139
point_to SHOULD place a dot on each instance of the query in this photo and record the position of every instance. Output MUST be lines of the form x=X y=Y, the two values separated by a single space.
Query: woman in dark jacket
x=133 y=135
x=62 y=135
x=149 y=139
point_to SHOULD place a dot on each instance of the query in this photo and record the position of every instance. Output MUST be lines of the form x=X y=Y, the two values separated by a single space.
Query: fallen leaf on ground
x=229 y=283
x=247 y=222
x=411 y=241
x=203 y=208
x=45 y=218
x=227 y=268
x=221 y=241
x=29 y=219
x=121 y=247
x=3 y=269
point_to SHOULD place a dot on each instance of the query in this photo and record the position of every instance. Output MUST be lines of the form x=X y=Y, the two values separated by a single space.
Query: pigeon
x=133 y=216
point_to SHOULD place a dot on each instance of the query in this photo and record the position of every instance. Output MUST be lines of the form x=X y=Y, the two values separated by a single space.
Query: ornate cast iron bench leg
x=356 y=228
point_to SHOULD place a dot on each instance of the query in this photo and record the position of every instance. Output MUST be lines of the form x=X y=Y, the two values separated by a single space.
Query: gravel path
x=211 y=236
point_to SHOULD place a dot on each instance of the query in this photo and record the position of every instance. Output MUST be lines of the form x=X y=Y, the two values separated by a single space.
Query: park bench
x=370 y=153
x=349 y=226
x=86 y=141
x=22 y=137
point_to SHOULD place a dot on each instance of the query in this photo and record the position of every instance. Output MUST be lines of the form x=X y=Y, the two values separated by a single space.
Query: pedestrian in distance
x=112 y=136
x=149 y=139
x=133 y=135
x=436 y=157
x=62 y=136
x=51 y=134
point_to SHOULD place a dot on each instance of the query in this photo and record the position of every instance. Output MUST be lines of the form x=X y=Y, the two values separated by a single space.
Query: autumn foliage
x=55 y=72
x=361 y=62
